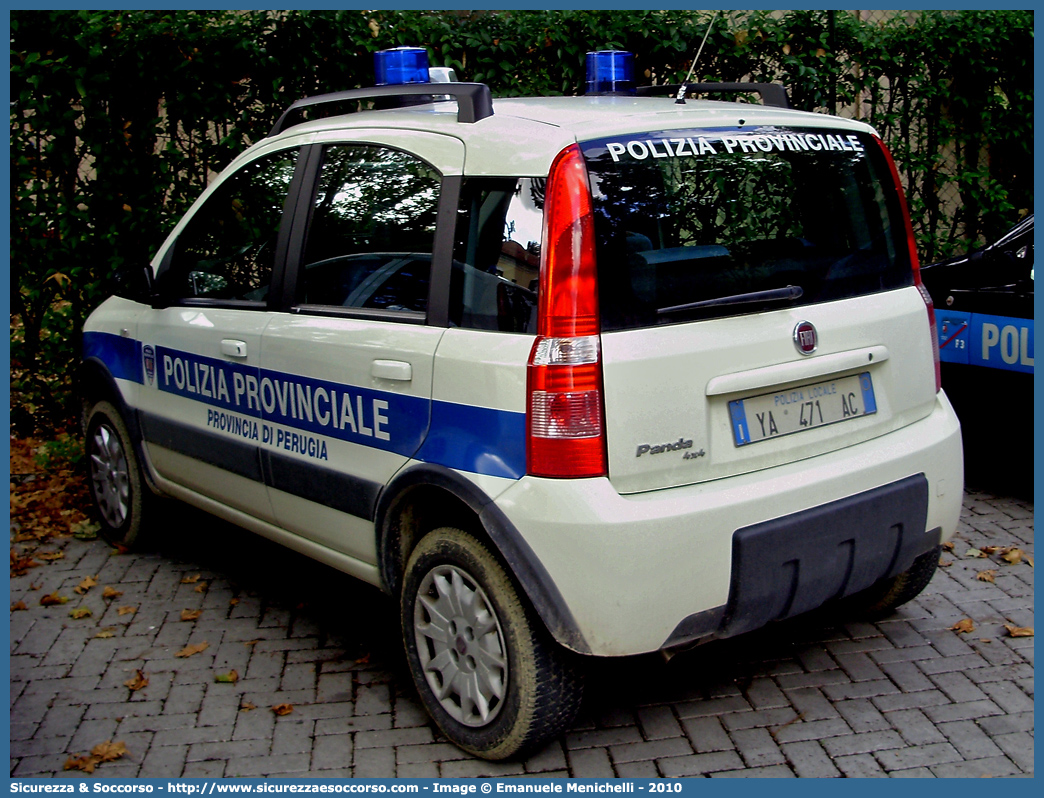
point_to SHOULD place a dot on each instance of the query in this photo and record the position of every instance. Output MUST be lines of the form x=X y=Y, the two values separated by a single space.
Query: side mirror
x=1004 y=268
x=134 y=282
x=160 y=292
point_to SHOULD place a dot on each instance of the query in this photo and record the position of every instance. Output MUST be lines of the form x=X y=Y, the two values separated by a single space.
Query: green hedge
x=119 y=119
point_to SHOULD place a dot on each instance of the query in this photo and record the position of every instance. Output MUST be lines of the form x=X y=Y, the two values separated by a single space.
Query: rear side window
x=372 y=230
x=695 y=224
x=496 y=253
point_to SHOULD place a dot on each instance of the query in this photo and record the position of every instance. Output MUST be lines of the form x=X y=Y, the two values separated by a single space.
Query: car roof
x=523 y=135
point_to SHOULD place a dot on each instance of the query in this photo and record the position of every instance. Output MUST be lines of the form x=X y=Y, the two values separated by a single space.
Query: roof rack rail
x=474 y=100
x=771 y=93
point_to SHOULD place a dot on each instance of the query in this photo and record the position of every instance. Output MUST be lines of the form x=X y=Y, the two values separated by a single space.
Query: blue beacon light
x=610 y=72
x=401 y=65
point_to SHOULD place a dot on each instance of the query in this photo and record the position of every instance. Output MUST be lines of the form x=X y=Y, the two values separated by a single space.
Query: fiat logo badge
x=805 y=338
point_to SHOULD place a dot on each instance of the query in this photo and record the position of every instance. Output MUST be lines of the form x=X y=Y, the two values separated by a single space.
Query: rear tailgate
x=668 y=389
x=757 y=299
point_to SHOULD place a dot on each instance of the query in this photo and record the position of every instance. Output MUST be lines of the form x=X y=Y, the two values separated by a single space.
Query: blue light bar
x=401 y=65
x=610 y=72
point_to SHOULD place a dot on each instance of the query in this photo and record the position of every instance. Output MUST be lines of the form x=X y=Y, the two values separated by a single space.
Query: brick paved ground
x=813 y=697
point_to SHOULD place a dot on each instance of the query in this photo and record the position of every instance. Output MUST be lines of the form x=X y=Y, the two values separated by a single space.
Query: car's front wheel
x=117 y=488
x=487 y=671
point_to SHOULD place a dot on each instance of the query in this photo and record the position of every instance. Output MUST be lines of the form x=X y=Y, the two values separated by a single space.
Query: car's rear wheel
x=889 y=594
x=120 y=496
x=487 y=671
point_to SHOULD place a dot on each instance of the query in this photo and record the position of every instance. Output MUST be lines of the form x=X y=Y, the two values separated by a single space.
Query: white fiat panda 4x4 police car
x=566 y=376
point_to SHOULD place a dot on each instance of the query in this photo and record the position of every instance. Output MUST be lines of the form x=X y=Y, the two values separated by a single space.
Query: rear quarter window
x=496 y=254
x=695 y=224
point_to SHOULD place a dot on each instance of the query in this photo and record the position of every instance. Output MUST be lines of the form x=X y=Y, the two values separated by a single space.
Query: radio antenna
x=680 y=99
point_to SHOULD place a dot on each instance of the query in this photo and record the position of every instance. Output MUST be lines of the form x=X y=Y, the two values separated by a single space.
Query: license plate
x=773 y=415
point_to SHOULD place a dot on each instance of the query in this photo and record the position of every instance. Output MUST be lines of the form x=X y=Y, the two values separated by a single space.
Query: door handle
x=233 y=348
x=392 y=370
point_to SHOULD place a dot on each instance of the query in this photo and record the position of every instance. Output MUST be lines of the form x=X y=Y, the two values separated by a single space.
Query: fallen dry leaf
x=87 y=583
x=190 y=615
x=945 y=563
x=50 y=599
x=1013 y=556
x=126 y=610
x=201 y=587
x=80 y=613
x=190 y=580
x=1019 y=631
x=986 y=576
x=948 y=545
x=84 y=763
x=246 y=706
x=111 y=593
x=1029 y=561
x=283 y=709
x=967 y=625
x=985 y=640
x=18 y=605
x=35 y=587
x=991 y=549
x=233 y=602
x=363 y=660
x=85 y=529
x=253 y=642
x=188 y=651
x=138 y=682
x=106 y=633
x=51 y=556
x=109 y=751
x=974 y=553
x=227 y=678
x=20 y=564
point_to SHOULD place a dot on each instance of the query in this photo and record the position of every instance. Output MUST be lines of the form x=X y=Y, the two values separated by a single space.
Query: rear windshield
x=695 y=224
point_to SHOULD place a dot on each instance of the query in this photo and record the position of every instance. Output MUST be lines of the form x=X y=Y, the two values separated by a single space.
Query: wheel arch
x=425 y=497
x=95 y=383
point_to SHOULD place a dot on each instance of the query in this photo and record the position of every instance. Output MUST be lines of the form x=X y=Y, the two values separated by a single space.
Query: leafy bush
x=119 y=119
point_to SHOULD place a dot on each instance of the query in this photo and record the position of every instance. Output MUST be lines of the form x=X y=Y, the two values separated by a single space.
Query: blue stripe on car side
x=480 y=440
x=121 y=356
x=476 y=439
x=380 y=419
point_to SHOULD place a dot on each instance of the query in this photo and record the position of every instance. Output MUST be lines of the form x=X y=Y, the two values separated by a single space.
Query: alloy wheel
x=110 y=478
x=461 y=646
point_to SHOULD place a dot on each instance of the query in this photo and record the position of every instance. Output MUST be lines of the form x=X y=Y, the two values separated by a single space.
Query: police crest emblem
x=148 y=356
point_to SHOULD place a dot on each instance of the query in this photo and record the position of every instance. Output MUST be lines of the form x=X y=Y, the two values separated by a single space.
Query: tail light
x=933 y=328
x=564 y=414
x=915 y=264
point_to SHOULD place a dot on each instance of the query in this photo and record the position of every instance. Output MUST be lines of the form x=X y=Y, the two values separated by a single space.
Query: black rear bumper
x=796 y=563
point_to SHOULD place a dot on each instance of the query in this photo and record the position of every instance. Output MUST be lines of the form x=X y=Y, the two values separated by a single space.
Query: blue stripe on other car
x=977 y=339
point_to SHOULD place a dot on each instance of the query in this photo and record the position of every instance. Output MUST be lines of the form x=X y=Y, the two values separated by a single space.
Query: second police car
x=567 y=376
x=984 y=302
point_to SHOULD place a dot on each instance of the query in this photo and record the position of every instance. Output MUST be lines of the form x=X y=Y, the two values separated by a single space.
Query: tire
x=118 y=491
x=501 y=692
x=889 y=594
